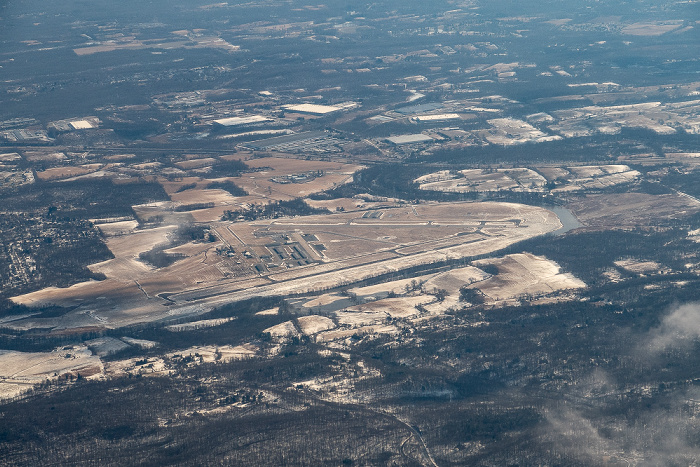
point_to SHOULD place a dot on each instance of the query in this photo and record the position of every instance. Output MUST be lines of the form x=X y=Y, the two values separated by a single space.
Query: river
x=567 y=218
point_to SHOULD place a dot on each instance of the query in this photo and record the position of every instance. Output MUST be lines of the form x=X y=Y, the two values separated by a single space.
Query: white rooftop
x=312 y=108
x=436 y=117
x=233 y=121
x=407 y=139
x=81 y=125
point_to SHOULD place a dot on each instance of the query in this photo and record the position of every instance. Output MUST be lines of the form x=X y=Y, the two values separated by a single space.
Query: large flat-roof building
x=409 y=139
x=239 y=121
x=315 y=109
x=435 y=117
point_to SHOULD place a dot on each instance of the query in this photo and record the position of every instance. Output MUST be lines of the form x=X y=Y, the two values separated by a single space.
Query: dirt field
x=58 y=173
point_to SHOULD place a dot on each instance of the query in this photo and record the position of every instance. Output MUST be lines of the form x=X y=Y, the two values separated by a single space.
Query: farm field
x=524 y=274
x=395 y=306
x=22 y=370
x=58 y=173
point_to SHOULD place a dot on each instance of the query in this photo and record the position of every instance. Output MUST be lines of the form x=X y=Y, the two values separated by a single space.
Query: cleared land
x=522 y=179
x=641 y=267
x=20 y=371
x=270 y=179
x=58 y=173
x=631 y=209
x=525 y=274
x=275 y=179
x=510 y=131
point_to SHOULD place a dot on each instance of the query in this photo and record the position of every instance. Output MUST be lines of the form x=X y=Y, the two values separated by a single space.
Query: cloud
x=600 y=420
x=678 y=329
x=664 y=434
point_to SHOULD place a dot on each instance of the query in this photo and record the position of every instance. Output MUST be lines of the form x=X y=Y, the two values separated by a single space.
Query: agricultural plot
x=11 y=157
x=114 y=229
x=103 y=346
x=344 y=336
x=161 y=212
x=324 y=302
x=286 y=329
x=525 y=275
x=210 y=353
x=360 y=318
x=10 y=178
x=313 y=324
x=141 y=343
x=393 y=287
x=58 y=173
x=20 y=371
x=136 y=366
x=398 y=307
x=453 y=280
x=163 y=365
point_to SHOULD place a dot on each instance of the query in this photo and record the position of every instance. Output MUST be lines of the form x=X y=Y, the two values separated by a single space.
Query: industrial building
x=409 y=139
x=314 y=109
x=241 y=121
